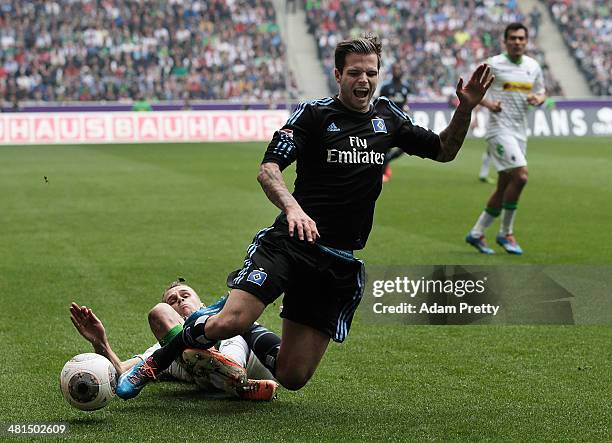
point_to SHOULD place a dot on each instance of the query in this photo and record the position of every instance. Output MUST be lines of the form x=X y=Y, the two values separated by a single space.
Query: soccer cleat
x=509 y=243
x=131 y=382
x=211 y=368
x=207 y=310
x=488 y=180
x=259 y=390
x=479 y=243
x=387 y=174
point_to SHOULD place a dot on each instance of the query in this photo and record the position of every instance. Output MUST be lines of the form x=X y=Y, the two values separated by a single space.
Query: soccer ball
x=88 y=381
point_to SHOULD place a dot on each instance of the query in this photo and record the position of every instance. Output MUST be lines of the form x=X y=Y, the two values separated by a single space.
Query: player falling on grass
x=518 y=83
x=339 y=144
x=224 y=370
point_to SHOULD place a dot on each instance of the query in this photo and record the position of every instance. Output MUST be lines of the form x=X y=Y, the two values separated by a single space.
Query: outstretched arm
x=92 y=330
x=469 y=96
x=271 y=180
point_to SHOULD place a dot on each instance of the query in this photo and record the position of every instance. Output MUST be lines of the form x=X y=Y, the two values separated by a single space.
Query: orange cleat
x=387 y=174
x=210 y=367
x=259 y=390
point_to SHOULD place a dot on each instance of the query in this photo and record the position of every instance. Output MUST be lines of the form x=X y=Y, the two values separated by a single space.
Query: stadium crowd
x=64 y=50
x=434 y=42
x=91 y=50
x=587 y=30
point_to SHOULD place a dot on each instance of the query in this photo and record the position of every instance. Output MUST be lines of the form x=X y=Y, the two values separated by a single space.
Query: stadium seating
x=435 y=42
x=587 y=29
x=64 y=50
x=92 y=50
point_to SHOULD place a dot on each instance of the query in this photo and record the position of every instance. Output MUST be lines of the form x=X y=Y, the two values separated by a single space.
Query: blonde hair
x=178 y=282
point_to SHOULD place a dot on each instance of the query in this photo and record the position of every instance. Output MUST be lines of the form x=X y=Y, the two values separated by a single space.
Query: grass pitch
x=110 y=226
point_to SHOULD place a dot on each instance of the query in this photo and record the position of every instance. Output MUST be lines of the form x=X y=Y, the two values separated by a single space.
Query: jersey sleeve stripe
x=302 y=106
x=296 y=114
x=397 y=110
x=323 y=101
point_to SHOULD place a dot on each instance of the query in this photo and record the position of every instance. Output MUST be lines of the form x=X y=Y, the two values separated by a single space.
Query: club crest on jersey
x=257 y=276
x=379 y=125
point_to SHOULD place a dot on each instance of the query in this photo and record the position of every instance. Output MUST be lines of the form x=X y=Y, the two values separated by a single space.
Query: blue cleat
x=131 y=382
x=479 y=243
x=509 y=244
x=207 y=310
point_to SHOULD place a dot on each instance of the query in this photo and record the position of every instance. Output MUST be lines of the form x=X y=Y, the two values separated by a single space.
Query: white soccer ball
x=88 y=381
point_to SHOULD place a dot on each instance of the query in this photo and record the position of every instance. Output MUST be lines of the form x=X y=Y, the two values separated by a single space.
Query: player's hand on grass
x=88 y=325
x=474 y=90
x=301 y=223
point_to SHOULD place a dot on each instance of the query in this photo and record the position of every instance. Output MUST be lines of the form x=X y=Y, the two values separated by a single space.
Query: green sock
x=173 y=332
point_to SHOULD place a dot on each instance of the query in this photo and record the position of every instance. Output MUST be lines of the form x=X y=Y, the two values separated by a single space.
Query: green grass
x=114 y=224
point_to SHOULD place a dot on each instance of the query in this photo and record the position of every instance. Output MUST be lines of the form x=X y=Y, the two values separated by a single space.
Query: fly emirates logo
x=358 y=154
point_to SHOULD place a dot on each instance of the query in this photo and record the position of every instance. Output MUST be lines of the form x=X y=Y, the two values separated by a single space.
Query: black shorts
x=322 y=286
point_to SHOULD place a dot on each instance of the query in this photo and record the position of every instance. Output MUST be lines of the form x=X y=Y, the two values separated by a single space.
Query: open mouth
x=361 y=92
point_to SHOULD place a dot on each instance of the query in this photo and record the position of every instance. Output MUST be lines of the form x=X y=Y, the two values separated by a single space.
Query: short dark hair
x=368 y=44
x=515 y=27
x=178 y=282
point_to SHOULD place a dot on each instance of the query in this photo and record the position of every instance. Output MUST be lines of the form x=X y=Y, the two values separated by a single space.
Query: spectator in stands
x=421 y=34
x=113 y=49
x=535 y=17
x=587 y=29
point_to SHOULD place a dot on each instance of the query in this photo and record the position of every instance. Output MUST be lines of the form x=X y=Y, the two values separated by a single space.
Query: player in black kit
x=397 y=91
x=339 y=144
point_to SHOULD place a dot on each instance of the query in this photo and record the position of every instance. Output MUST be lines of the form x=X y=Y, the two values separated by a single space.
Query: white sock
x=507 y=221
x=257 y=371
x=236 y=349
x=484 y=221
x=484 y=167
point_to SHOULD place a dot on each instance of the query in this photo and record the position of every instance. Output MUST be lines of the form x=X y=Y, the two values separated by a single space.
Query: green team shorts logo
x=500 y=150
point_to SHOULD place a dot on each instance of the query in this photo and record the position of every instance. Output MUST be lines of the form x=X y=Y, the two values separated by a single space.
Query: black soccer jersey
x=340 y=155
x=396 y=92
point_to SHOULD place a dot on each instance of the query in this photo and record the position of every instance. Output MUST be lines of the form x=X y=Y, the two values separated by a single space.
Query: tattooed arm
x=271 y=180
x=469 y=96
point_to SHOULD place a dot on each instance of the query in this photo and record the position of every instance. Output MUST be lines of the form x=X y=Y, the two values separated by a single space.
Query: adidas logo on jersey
x=333 y=128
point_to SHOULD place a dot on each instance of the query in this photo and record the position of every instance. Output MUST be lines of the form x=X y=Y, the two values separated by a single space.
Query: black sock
x=264 y=344
x=165 y=355
x=189 y=337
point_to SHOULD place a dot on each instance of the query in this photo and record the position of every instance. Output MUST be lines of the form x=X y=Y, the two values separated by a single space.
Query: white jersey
x=513 y=82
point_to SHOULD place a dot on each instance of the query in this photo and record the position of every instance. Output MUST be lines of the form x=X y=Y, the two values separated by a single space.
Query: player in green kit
x=518 y=84
x=232 y=369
